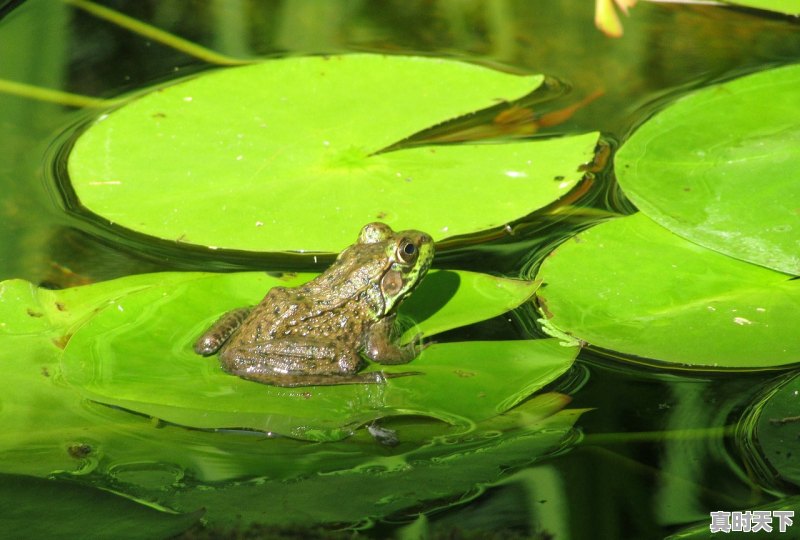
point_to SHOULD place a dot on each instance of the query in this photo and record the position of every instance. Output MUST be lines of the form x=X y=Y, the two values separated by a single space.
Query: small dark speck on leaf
x=380 y=215
x=62 y=341
x=60 y=306
x=45 y=371
x=687 y=188
x=159 y=115
x=559 y=177
x=36 y=314
x=79 y=451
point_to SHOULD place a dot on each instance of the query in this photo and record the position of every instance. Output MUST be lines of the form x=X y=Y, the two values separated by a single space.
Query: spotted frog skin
x=316 y=334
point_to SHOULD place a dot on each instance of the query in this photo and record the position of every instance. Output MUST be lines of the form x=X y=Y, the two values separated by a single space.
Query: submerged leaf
x=445 y=469
x=38 y=508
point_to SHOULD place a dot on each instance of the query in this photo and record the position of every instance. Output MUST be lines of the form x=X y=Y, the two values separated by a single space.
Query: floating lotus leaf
x=50 y=430
x=281 y=155
x=721 y=167
x=631 y=286
x=135 y=352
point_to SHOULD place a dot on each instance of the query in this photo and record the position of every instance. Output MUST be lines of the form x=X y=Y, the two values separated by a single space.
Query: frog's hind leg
x=219 y=332
x=288 y=362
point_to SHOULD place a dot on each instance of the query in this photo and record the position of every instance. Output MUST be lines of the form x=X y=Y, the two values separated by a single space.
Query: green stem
x=156 y=34
x=54 y=96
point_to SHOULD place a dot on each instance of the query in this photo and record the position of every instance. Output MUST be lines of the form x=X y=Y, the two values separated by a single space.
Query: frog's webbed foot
x=380 y=347
x=219 y=332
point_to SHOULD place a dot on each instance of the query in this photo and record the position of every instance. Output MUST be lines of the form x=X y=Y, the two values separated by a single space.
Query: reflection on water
x=650 y=460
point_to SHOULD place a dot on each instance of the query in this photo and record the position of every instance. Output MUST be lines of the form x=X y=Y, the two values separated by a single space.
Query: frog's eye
x=406 y=252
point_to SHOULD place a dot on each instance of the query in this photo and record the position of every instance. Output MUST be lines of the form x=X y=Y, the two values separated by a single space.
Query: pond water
x=655 y=450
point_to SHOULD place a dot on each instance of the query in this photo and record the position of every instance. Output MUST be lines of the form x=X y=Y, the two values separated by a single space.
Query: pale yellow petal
x=606 y=19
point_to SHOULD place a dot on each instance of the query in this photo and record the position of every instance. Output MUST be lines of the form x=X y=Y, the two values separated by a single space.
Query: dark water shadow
x=431 y=295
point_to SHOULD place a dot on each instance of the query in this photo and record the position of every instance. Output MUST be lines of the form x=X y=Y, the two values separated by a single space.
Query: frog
x=320 y=333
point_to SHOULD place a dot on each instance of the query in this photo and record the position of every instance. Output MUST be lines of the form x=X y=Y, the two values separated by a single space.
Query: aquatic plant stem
x=54 y=96
x=156 y=34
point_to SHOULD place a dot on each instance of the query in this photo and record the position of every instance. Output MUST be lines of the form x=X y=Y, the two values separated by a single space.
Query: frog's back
x=287 y=313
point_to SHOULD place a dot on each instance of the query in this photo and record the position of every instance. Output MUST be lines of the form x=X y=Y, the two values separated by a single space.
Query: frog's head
x=408 y=256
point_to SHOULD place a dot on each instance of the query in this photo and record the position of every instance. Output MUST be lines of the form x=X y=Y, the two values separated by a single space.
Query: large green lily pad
x=136 y=353
x=629 y=285
x=50 y=430
x=721 y=168
x=281 y=155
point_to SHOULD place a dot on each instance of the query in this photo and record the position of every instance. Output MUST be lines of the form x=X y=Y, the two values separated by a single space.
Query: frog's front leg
x=219 y=332
x=296 y=362
x=380 y=346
